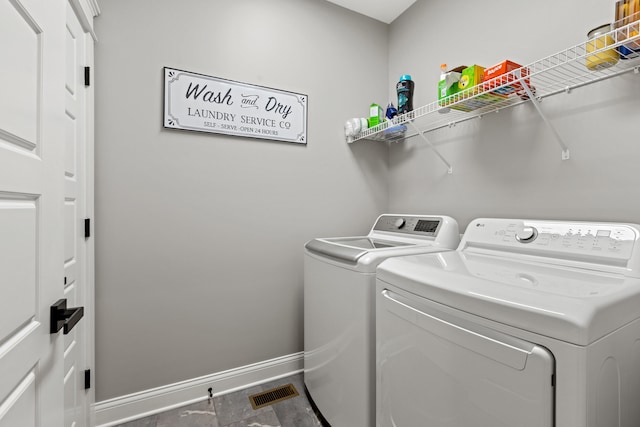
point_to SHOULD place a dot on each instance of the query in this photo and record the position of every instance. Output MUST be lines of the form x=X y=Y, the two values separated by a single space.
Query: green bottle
x=376 y=115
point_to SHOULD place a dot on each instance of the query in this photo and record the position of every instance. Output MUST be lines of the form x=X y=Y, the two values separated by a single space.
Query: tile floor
x=234 y=410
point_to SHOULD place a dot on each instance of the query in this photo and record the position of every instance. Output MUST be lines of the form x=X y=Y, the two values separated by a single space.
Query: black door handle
x=63 y=317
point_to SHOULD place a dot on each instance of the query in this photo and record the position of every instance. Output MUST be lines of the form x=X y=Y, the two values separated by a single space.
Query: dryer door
x=437 y=369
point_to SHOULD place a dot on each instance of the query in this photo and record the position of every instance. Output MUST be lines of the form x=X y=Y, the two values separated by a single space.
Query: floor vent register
x=274 y=395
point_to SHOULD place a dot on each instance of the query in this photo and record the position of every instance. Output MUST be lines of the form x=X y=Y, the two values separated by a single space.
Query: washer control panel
x=417 y=225
x=609 y=240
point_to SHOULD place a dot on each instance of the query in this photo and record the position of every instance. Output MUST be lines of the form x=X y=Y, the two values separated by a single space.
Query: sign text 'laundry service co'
x=209 y=104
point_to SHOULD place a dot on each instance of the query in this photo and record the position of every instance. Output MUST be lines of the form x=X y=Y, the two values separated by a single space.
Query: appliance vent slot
x=274 y=395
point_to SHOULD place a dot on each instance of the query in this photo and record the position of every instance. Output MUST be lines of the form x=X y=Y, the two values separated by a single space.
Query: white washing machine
x=527 y=323
x=339 y=304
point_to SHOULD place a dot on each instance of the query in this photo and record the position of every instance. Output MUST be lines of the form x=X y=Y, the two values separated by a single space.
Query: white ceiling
x=382 y=10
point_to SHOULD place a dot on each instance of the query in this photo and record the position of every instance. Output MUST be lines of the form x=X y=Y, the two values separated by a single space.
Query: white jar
x=353 y=127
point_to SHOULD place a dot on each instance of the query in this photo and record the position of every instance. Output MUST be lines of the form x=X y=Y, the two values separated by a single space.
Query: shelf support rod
x=536 y=104
x=422 y=135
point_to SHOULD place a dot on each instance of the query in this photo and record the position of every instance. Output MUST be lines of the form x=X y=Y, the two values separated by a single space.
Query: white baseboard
x=122 y=409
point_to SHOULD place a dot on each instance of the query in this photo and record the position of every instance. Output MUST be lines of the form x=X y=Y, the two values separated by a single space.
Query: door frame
x=86 y=11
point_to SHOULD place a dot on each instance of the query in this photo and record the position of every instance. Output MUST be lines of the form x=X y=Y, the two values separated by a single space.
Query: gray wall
x=508 y=164
x=199 y=237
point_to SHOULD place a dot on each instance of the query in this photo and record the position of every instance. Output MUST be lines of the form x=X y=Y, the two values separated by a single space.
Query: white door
x=76 y=277
x=32 y=132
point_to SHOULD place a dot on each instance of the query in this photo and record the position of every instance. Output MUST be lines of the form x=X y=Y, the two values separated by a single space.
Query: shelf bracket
x=536 y=104
x=422 y=135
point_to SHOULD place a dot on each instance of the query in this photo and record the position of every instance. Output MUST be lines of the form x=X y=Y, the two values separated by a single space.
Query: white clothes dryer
x=339 y=304
x=528 y=323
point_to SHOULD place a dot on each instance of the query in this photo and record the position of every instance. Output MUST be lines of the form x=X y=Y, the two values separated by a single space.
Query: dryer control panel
x=570 y=240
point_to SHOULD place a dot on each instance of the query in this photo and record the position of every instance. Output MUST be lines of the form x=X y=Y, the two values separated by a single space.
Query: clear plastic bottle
x=443 y=78
x=442 y=88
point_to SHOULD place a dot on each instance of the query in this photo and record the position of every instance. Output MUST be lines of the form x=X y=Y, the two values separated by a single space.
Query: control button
x=527 y=235
x=399 y=223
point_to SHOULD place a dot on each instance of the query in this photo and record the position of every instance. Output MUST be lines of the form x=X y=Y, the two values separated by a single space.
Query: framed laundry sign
x=208 y=104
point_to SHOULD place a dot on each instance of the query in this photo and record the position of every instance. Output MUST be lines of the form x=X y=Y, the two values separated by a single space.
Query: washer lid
x=350 y=249
x=575 y=305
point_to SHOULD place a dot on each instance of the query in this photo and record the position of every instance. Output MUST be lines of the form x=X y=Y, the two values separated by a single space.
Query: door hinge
x=87 y=379
x=87 y=76
x=87 y=228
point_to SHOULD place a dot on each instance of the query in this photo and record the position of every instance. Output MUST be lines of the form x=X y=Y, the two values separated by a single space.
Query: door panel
x=17 y=262
x=438 y=369
x=70 y=236
x=31 y=200
x=19 y=83
x=19 y=355
x=72 y=413
x=22 y=400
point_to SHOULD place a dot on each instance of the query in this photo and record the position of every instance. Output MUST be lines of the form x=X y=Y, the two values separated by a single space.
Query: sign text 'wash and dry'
x=209 y=104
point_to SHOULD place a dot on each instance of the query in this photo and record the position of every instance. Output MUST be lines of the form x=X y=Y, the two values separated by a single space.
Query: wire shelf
x=558 y=73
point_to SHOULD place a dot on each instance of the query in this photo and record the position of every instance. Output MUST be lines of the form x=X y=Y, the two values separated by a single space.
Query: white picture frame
x=202 y=103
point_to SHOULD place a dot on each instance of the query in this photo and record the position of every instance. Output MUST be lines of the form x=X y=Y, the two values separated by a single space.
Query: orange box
x=498 y=75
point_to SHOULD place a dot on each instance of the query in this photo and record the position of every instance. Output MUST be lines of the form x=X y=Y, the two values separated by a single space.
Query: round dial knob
x=528 y=234
x=400 y=222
